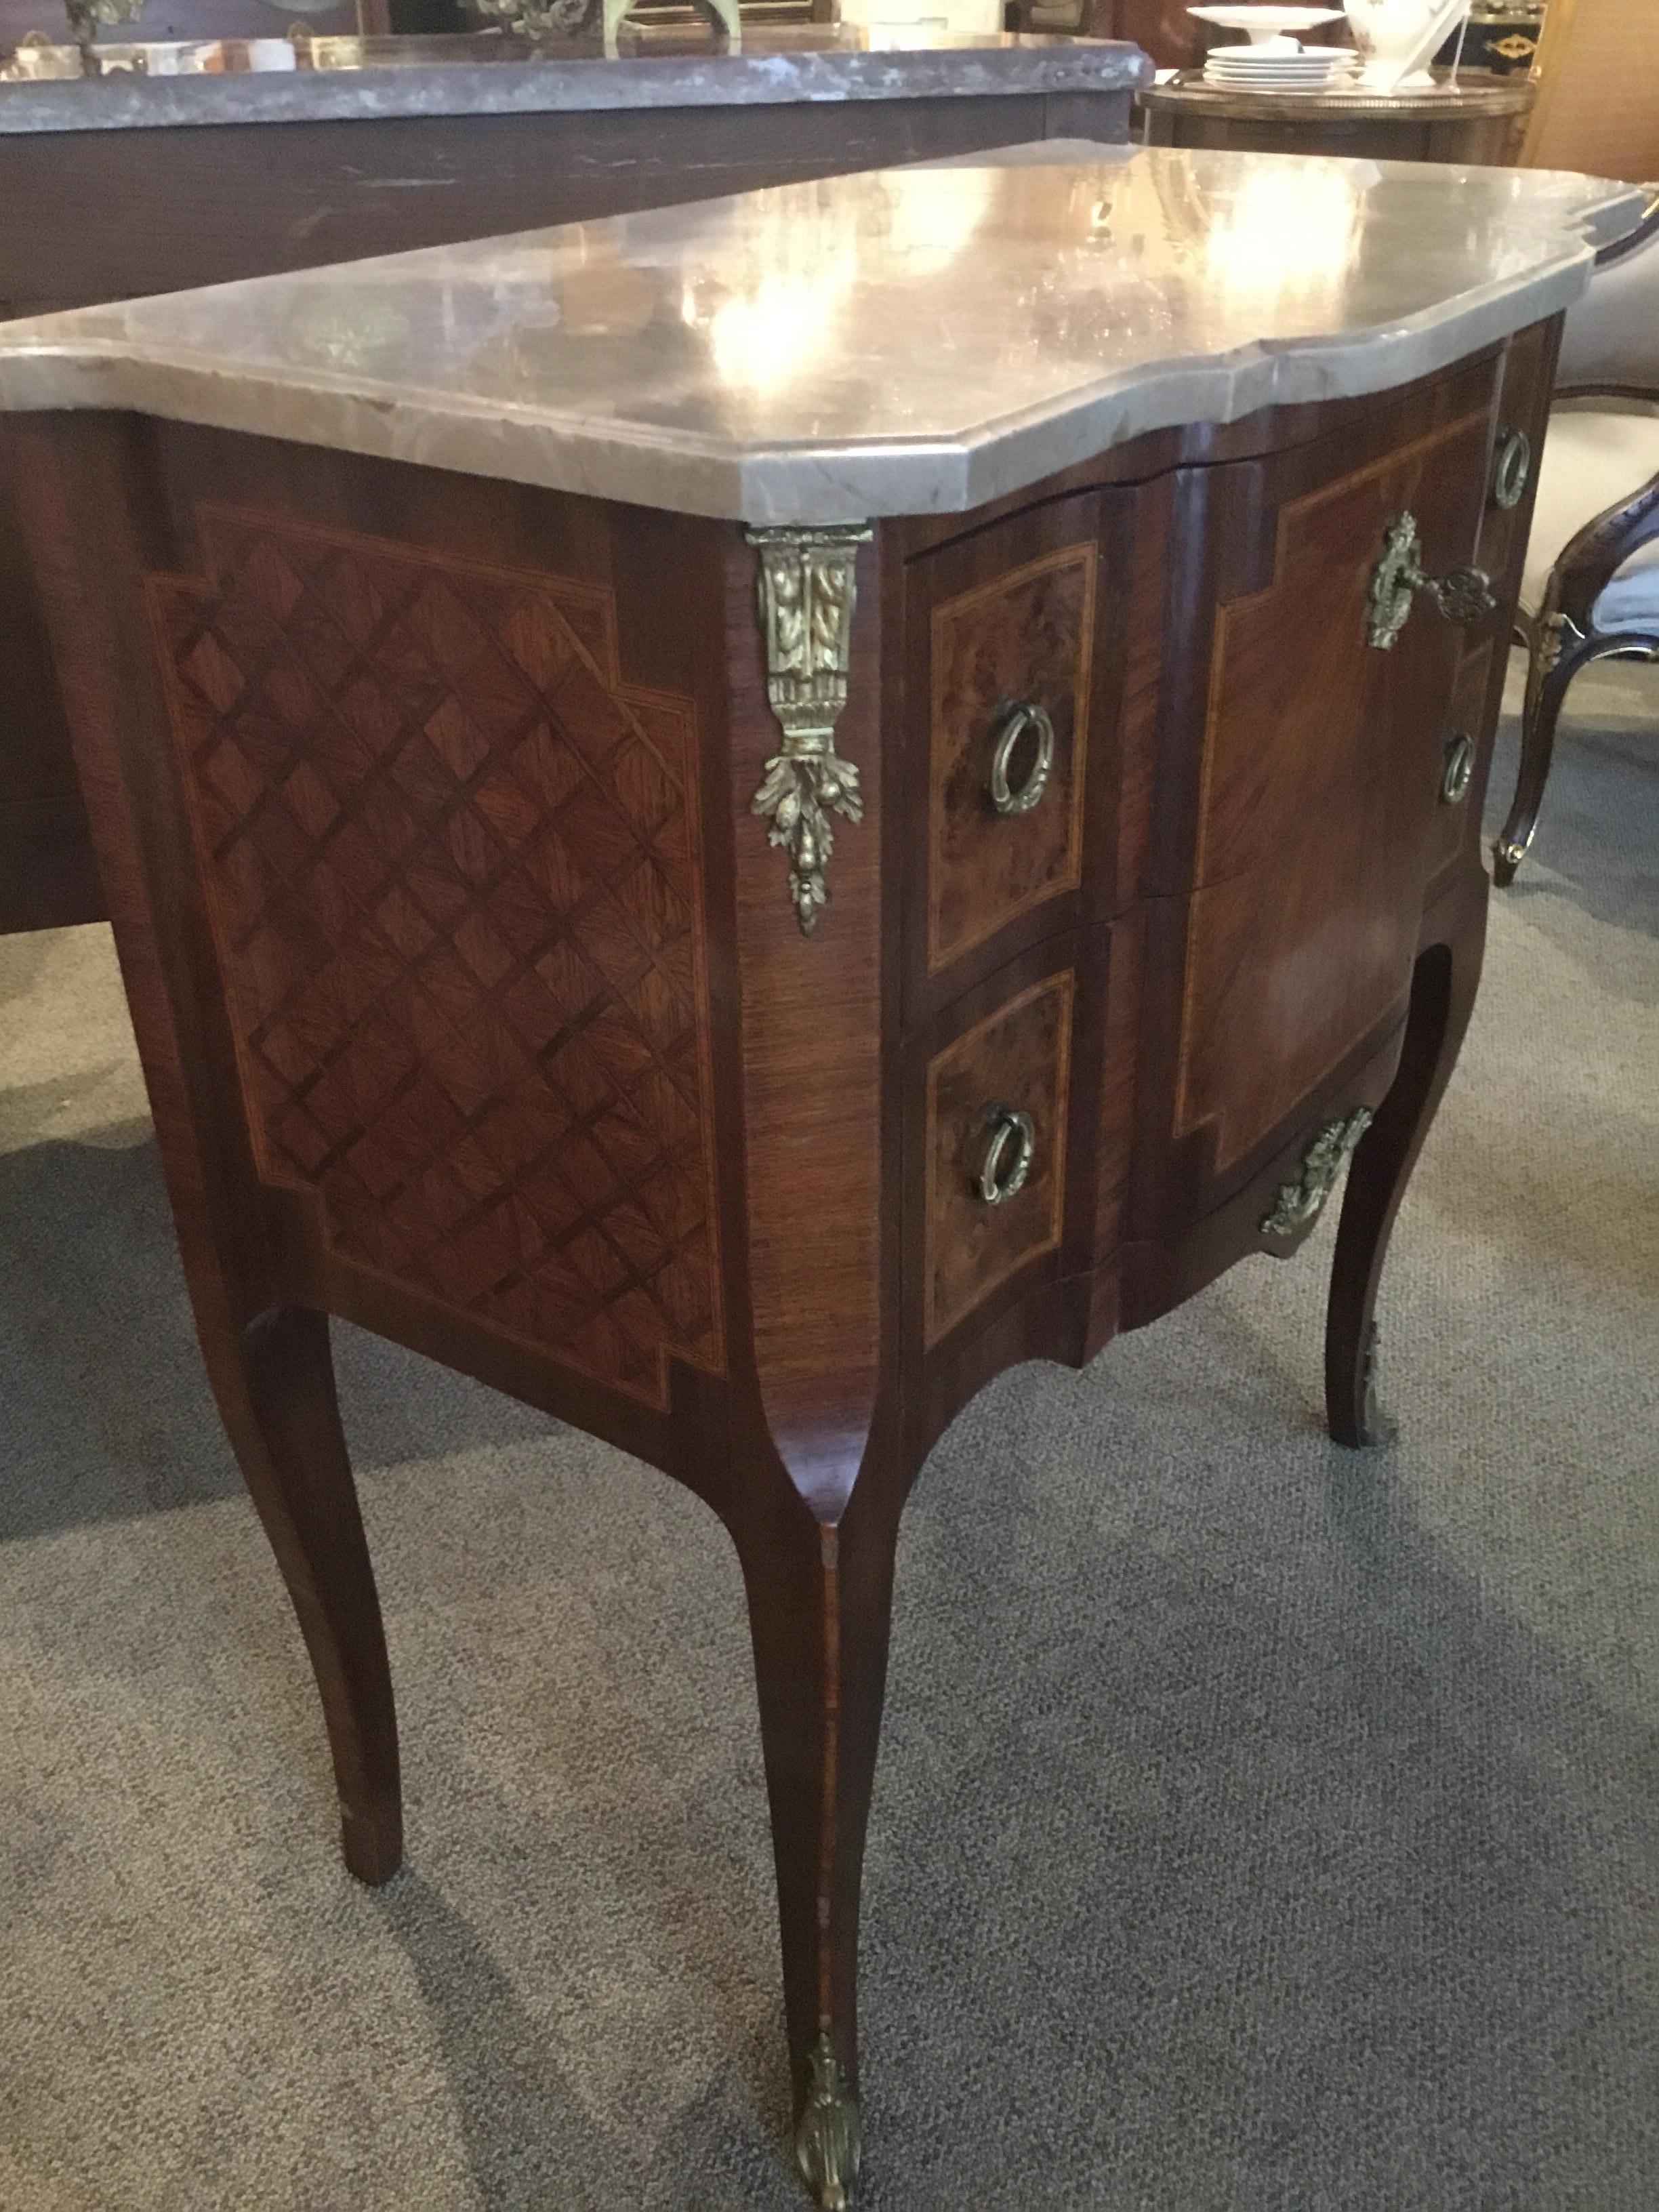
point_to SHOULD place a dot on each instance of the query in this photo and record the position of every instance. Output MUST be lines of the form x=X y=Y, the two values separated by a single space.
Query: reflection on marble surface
x=1288 y=241
x=910 y=341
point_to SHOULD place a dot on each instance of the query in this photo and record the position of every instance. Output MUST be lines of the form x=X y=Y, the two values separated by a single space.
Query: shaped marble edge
x=69 y=362
x=961 y=68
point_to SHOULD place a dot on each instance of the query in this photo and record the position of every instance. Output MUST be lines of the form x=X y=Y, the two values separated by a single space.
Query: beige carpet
x=1258 y=1826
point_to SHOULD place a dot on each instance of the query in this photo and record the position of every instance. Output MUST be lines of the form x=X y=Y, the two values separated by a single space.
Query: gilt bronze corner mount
x=807 y=593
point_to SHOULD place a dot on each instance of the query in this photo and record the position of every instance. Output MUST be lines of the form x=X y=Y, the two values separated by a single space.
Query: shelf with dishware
x=1294 y=85
x=1273 y=58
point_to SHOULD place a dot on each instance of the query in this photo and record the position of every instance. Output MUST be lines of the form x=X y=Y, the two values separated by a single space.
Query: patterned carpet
x=1259 y=1828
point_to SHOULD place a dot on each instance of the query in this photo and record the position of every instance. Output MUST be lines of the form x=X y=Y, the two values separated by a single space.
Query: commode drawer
x=1005 y=684
x=993 y=1149
x=1328 y=780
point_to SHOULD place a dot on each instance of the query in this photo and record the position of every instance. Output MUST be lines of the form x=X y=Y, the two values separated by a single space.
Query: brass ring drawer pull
x=1006 y=1161
x=1458 y=771
x=1021 y=720
x=1511 y=469
x=1462 y=595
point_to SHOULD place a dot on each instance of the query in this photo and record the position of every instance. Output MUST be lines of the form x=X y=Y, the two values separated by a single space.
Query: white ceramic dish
x=1398 y=38
x=1228 y=80
x=1345 y=82
x=1313 y=64
x=1261 y=24
x=1317 y=74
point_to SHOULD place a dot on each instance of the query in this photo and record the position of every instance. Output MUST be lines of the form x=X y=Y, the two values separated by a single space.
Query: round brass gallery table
x=1480 y=119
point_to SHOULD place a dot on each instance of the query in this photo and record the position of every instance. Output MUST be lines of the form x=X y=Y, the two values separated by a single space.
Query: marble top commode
x=904 y=342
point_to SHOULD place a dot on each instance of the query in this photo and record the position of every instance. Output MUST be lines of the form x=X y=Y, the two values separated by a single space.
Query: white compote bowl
x=1267 y=26
x=1398 y=38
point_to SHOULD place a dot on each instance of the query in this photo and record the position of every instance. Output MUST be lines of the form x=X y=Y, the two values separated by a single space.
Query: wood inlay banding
x=452 y=864
x=1026 y=637
x=1019 y=1057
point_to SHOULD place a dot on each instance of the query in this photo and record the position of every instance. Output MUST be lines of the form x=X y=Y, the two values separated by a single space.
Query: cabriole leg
x=1442 y=997
x=1547 y=689
x=820 y=1604
x=274 y=1380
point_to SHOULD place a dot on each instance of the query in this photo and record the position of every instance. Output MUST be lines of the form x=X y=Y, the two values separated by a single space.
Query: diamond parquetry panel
x=453 y=860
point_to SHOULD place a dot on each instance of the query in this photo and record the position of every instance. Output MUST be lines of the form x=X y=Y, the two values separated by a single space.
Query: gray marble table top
x=907 y=341
x=361 y=80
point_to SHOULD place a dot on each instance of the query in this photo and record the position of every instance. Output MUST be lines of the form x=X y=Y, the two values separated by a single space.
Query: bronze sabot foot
x=830 y=2140
x=1374 y=1425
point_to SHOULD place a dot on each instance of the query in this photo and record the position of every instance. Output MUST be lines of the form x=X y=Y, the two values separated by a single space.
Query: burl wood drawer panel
x=1008 y=691
x=1319 y=785
x=1003 y=1084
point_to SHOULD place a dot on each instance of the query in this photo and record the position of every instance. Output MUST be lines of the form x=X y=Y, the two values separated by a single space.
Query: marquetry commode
x=889 y=797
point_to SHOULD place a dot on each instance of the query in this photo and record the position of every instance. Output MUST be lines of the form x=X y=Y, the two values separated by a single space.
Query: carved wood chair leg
x=1442 y=998
x=1545 y=692
x=819 y=1612
x=275 y=1386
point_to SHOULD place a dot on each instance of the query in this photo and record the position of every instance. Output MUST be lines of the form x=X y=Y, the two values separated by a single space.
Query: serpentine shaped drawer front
x=996 y=1102
x=1008 y=707
x=1321 y=767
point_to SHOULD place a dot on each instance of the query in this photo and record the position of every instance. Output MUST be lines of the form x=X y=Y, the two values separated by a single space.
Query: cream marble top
x=909 y=341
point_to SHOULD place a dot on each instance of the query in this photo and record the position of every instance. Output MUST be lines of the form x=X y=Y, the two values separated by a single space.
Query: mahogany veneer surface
x=1318 y=784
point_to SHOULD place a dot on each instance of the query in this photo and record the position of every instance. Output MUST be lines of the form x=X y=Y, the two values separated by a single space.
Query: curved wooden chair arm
x=1633 y=240
x=1589 y=562
x=1647 y=395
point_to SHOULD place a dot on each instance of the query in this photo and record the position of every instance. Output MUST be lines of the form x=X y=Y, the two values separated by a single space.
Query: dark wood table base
x=1481 y=119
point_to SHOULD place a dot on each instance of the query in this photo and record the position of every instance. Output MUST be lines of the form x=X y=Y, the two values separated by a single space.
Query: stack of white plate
x=1279 y=66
